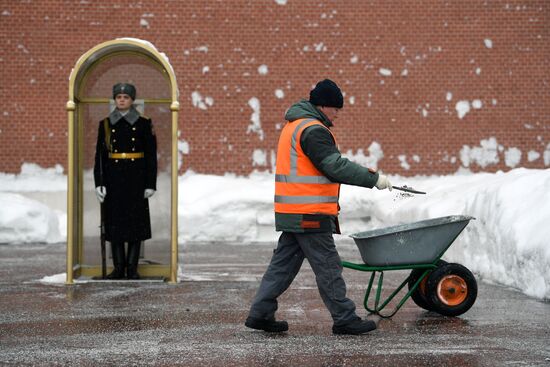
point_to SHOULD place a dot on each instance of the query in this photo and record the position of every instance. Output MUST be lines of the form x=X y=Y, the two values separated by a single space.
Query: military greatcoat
x=126 y=210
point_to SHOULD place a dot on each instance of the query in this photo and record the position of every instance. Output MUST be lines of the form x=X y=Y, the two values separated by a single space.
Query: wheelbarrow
x=449 y=289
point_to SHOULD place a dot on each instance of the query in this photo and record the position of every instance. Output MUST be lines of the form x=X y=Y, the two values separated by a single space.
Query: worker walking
x=309 y=172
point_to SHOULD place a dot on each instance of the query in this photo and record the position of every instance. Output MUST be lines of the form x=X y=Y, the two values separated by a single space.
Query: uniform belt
x=126 y=155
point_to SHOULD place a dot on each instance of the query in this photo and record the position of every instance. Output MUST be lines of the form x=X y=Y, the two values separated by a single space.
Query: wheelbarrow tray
x=416 y=243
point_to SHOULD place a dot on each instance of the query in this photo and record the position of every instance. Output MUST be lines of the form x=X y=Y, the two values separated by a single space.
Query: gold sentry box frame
x=77 y=83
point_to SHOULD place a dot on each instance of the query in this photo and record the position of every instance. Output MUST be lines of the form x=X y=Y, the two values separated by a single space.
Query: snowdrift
x=506 y=244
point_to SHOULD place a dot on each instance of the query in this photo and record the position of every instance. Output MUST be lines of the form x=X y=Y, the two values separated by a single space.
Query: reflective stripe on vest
x=300 y=187
x=305 y=199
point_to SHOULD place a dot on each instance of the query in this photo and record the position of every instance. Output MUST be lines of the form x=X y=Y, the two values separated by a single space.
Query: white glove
x=101 y=192
x=383 y=183
x=148 y=193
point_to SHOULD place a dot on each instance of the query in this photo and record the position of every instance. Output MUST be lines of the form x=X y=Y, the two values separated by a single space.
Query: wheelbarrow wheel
x=451 y=289
x=419 y=296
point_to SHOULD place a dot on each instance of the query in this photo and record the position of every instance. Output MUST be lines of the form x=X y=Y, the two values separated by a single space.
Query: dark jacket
x=320 y=147
x=126 y=210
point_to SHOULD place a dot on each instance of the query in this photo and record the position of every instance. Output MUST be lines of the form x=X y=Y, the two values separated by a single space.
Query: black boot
x=355 y=327
x=118 y=261
x=133 y=259
x=269 y=325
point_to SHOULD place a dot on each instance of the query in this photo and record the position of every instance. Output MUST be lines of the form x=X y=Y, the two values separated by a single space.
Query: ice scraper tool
x=408 y=189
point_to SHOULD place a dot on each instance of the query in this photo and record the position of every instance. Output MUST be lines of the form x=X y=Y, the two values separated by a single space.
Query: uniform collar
x=132 y=116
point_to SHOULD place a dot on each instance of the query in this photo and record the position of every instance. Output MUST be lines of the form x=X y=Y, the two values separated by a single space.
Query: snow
x=255 y=123
x=33 y=177
x=477 y=104
x=23 y=48
x=279 y=93
x=488 y=43
x=144 y=23
x=183 y=146
x=384 y=72
x=546 y=155
x=54 y=279
x=263 y=70
x=183 y=149
x=24 y=220
x=371 y=161
x=462 y=108
x=505 y=244
x=512 y=157
x=320 y=47
x=484 y=155
x=533 y=155
x=403 y=162
x=201 y=102
x=259 y=158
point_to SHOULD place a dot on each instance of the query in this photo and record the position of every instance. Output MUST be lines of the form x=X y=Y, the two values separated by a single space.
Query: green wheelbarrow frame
x=418 y=245
x=381 y=269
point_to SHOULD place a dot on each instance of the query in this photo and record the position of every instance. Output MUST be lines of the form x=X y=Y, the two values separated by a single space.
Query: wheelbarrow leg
x=376 y=310
x=379 y=307
x=367 y=294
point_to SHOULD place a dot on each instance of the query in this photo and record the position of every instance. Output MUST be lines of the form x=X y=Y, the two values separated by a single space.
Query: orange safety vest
x=300 y=188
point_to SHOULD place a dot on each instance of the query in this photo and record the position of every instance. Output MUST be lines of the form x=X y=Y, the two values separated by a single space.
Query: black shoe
x=132 y=273
x=355 y=327
x=271 y=326
x=118 y=273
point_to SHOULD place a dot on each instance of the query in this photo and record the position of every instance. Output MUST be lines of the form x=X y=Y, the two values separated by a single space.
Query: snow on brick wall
x=429 y=83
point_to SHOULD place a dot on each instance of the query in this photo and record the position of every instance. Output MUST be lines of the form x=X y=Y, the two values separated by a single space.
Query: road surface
x=199 y=321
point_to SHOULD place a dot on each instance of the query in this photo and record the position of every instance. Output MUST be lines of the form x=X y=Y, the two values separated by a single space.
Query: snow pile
x=54 y=279
x=505 y=244
x=226 y=208
x=34 y=178
x=24 y=220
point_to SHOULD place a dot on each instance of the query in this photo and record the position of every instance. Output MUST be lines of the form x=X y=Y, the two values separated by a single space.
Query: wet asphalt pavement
x=199 y=321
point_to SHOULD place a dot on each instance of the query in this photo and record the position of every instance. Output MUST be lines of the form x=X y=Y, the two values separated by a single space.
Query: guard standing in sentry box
x=309 y=172
x=125 y=175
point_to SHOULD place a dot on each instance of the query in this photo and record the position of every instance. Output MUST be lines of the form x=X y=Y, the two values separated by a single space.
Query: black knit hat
x=326 y=94
x=124 y=88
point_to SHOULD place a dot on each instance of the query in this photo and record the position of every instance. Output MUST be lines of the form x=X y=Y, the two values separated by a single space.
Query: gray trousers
x=320 y=251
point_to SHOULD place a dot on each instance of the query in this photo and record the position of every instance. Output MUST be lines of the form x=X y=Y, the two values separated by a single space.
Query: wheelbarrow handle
x=406 y=189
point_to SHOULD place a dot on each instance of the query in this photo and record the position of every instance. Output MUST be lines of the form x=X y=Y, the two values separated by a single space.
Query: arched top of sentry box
x=128 y=45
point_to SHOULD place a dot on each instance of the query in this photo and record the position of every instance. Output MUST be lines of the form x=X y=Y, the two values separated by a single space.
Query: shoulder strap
x=107 y=134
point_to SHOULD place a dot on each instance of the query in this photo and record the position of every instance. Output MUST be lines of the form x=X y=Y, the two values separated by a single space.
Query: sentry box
x=90 y=100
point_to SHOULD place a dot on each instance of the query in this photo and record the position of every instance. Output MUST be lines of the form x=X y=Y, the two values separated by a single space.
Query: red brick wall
x=440 y=44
